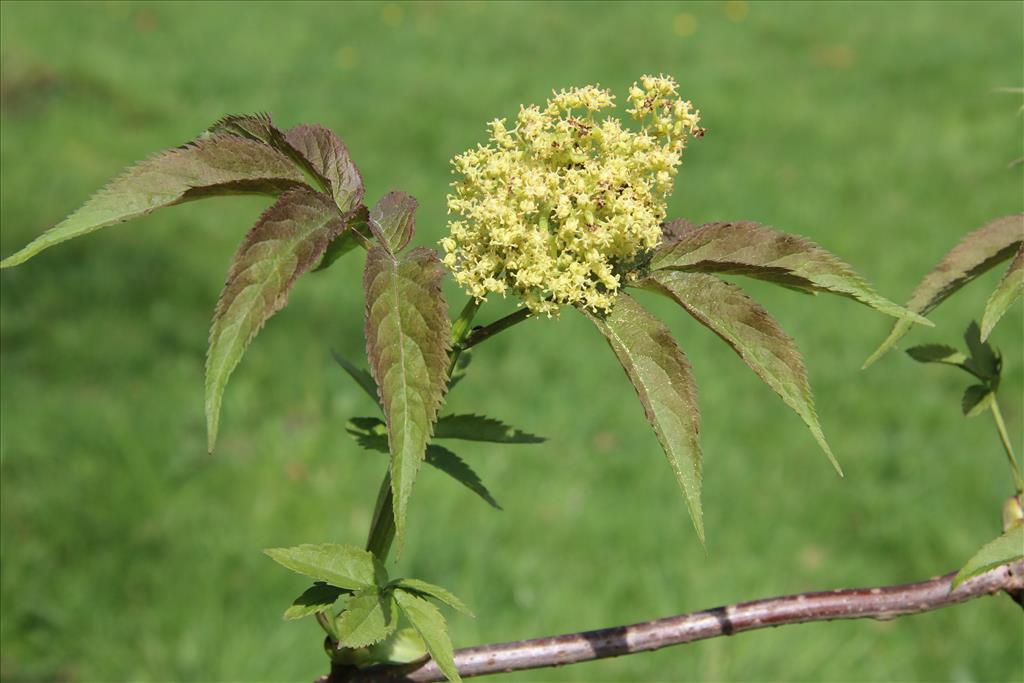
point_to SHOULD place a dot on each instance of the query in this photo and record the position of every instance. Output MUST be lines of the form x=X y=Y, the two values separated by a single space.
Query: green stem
x=460 y=331
x=997 y=416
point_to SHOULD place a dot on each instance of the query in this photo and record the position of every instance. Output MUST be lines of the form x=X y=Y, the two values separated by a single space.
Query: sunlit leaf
x=1005 y=548
x=1009 y=289
x=407 y=339
x=429 y=623
x=976 y=253
x=747 y=248
x=393 y=220
x=370 y=616
x=661 y=376
x=676 y=228
x=317 y=598
x=217 y=165
x=286 y=241
x=329 y=159
x=343 y=566
x=480 y=428
x=257 y=127
x=430 y=590
x=751 y=332
x=355 y=236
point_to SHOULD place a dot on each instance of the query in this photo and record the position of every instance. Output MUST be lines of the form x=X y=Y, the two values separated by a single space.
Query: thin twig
x=885 y=602
x=480 y=334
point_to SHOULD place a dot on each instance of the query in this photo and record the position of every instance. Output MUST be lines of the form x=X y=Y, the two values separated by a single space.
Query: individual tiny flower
x=557 y=207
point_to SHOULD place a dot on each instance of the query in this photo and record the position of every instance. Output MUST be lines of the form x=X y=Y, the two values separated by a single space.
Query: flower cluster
x=556 y=208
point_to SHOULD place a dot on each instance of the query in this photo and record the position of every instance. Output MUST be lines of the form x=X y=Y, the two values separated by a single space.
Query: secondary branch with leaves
x=564 y=210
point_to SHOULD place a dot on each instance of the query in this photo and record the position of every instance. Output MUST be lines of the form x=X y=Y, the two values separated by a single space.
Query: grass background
x=129 y=553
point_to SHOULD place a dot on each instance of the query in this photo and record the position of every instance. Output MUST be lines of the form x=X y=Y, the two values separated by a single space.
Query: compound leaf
x=317 y=598
x=1005 y=548
x=1006 y=293
x=216 y=165
x=661 y=376
x=430 y=590
x=407 y=339
x=328 y=158
x=393 y=220
x=751 y=332
x=937 y=353
x=370 y=616
x=976 y=253
x=748 y=248
x=480 y=428
x=286 y=241
x=429 y=623
x=343 y=566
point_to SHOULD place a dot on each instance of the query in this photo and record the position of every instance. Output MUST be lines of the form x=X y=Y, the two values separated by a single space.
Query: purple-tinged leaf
x=329 y=159
x=751 y=332
x=748 y=248
x=1006 y=293
x=257 y=127
x=407 y=339
x=675 y=229
x=287 y=240
x=976 y=253
x=393 y=220
x=357 y=235
x=218 y=165
x=664 y=383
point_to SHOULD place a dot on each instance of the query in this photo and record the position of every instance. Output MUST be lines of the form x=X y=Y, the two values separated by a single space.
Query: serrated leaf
x=370 y=616
x=286 y=241
x=1009 y=289
x=748 y=248
x=393 y=220
x=401 y=647
x=356 y=236
x=976 y=253
x=407 y=340
x=455 y=467
x=430 y=590
x=343 y=566
x=257 y=127
x=429 y=623
x=937 y=353
x=976 y=400
x=371 y=435
x=317 y=598
x=661 y=376
x=676 y=228
x=217 y=165
x=480 y=428
x=751 y=332
x=329 y=159
x=1006 y=548
x=984 y=362
x=361 y=377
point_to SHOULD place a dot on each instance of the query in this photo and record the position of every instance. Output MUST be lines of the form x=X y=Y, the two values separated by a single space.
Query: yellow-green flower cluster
x=555 y=208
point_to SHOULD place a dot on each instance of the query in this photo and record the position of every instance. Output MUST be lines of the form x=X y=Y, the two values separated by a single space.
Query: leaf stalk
x=1004 y=437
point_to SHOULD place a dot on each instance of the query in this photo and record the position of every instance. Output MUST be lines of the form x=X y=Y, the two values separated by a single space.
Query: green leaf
x=355 y=236
x=329 y=159
x=317 y=598
x=286 y=241
x=361 y=377
x=937 y=353
x=751 y=332
x=1006 y=548
x=343 y=566
x=661 y=376
x=370 y=616
x=748 y=248
x=977 y=399
x=429 y=623
x=370 y=433
x=430 y=590
x=217 y=165
x=480 y=428
x=1009 y=289
x=256 y=127
x=976 y=253
x=984 y=362
x=443 y=459
x=407 y=339
x=393 y=220
x=401 y=647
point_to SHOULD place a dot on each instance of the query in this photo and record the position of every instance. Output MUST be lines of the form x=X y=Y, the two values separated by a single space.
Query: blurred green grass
x=128 y=553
